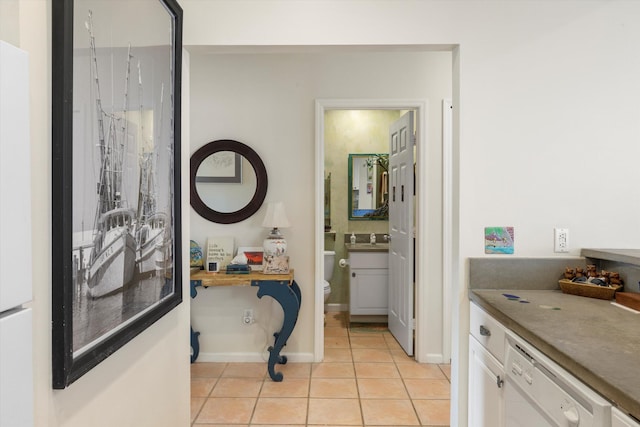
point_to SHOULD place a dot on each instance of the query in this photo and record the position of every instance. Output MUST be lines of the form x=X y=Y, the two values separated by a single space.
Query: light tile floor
x=365 y=380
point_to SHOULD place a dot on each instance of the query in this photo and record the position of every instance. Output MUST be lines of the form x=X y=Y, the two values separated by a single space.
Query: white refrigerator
x=16 y=334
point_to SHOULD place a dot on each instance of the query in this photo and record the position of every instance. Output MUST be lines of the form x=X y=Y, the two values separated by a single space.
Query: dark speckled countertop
x=594 y=340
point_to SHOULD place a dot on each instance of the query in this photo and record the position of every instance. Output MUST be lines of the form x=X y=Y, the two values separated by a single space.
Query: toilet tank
x=329 y=261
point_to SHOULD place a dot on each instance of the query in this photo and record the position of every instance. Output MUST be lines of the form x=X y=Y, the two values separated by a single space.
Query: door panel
x=401 y=230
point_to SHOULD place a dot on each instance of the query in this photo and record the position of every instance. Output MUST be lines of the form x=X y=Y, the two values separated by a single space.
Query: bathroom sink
x=367 y=247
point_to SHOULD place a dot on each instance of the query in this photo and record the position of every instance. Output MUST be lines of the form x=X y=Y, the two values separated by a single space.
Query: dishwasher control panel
x=520 y=367
x=557 y=397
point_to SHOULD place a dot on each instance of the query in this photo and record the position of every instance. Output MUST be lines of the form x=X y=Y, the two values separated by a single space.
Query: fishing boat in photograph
x=151 y=225
x=151 y=243
x=164 y=259
x=112 y=259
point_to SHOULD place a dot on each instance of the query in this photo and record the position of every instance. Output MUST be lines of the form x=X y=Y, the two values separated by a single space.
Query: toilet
x=329 y=261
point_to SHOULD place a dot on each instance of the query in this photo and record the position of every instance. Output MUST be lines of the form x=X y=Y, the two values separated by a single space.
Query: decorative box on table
x=276 y=264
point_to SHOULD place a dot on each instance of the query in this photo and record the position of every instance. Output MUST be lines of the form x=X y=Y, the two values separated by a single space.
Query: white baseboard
x=252 y=357
x=435 y=358
x=336 y=308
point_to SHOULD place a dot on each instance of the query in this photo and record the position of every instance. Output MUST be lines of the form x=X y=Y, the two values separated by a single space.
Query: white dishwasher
x=539 y=393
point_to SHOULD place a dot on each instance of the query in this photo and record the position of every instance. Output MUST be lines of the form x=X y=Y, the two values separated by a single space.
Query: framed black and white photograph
x=115 y=175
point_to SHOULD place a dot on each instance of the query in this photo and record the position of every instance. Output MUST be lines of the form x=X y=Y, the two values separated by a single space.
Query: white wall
x=147 y=381
x=9 y=19
x=267 y=102
x=546 y=111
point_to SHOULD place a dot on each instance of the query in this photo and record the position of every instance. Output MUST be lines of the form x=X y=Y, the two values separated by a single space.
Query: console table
x=281 y=287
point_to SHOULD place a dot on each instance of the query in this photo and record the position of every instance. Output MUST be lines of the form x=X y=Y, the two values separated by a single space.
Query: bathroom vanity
x=368 y=281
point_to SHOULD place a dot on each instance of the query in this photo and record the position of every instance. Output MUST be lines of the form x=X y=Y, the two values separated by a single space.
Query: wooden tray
x=588 y=290
x=629 y=299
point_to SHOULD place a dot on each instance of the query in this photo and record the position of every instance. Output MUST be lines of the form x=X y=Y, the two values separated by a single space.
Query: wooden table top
x=224 y=279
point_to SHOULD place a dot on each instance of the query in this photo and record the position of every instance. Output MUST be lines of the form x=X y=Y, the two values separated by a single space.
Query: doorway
x=423 y=351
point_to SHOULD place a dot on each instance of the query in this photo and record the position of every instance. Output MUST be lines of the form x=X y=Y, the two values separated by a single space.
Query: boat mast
x=111 y=156
x=102 y=185
x=124 y=128
x=146 y=190
x=141 y=159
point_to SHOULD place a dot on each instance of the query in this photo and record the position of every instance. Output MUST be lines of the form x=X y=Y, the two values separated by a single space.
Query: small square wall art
x=498 y=240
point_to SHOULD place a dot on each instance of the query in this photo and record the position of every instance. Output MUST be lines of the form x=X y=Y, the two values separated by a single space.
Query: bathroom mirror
x=368 y=187
x=228 y=181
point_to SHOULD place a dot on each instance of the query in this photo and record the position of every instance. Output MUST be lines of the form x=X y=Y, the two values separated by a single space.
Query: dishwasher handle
x=572 y=415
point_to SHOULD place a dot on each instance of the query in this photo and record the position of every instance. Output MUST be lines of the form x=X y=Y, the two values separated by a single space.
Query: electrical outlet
x=247 y=316
x=561 y=240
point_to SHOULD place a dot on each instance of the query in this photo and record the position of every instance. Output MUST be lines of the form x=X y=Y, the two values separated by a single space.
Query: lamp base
x=274 y=246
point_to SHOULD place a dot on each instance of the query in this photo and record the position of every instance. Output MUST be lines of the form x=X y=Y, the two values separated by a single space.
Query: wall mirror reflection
x=228 y=181
x=368 y=186
x=225 y=181
x=223 y=166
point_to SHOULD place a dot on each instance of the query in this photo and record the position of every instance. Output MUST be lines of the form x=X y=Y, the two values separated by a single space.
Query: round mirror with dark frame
x=228 y=181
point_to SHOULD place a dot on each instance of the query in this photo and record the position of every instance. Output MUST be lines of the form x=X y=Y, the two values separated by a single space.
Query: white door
x=401 y=142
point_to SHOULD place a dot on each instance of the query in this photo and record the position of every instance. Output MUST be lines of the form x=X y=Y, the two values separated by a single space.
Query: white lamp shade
x=275 y=216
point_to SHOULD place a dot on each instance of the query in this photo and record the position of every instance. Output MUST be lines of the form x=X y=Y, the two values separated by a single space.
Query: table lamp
x=275 y=218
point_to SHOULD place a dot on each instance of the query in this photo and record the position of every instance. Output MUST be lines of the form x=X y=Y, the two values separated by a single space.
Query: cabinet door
x=488 y=331
x=486 y=391
x=369 y=291
x=619 y=419
x=16 y=370
x=15 y=178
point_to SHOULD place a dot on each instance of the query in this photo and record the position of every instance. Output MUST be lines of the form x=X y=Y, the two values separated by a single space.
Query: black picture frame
x=116 y=83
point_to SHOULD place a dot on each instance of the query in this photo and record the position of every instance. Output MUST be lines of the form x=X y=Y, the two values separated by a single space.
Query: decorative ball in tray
x=590 y=283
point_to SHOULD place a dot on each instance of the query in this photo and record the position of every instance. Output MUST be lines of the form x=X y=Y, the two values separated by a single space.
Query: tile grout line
x=406 y=389
x=309 y=396
x=206 y=397
x=255 y=405
x=355 y=374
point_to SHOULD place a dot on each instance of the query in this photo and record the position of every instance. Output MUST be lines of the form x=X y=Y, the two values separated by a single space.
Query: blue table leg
x=289 y=297
x=195 y=344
